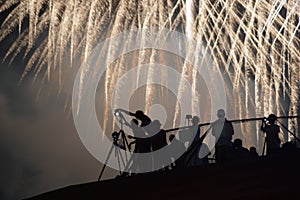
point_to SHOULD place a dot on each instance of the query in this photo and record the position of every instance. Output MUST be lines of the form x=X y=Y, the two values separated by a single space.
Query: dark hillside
x=265 y=178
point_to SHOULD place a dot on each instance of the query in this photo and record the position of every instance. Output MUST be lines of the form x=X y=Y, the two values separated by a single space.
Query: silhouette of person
x=195 y=129
x=222 y=130
x=253 y=152
x=158 y=141
x=142 y=145
x=289 y=146
x=177 y=146
x=187 y=136
x=195 y=146
x=240 y=152
x=272 y=134
x=141 y=116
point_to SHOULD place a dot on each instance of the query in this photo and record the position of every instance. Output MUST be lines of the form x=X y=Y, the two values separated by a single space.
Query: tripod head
x=118 y=113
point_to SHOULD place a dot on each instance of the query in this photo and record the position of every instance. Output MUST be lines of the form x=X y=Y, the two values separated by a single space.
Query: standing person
x=272 y=134
x=141 y=116
x=195 y=130
x=142 y=145
x=195 y=143
x=158 y=141
x=222 y=130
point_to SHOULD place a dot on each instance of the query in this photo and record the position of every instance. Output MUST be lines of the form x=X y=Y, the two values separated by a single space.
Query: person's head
x=195 y=120
x=139 y=114
x=238 y=143
x=272 y=118
x=156 y=125
x=171 y=137
x=221 y=113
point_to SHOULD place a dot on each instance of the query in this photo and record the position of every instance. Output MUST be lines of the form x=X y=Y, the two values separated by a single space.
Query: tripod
x=123 y=144
x=114 y=146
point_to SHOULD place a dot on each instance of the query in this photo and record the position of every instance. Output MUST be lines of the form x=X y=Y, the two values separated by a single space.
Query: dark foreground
x=265 y=178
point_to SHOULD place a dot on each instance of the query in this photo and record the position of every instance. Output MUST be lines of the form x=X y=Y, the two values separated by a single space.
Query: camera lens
x=265 y=119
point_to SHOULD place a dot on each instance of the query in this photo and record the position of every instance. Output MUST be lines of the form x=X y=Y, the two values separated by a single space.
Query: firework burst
x=254 y=44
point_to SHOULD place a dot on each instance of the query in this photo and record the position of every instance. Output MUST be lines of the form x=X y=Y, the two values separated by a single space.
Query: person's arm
x=262 y=127
x=231 y=128
x=130 y=144
x=126 y=112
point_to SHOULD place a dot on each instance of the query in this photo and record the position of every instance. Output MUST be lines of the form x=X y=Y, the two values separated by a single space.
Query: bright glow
x=255 y=44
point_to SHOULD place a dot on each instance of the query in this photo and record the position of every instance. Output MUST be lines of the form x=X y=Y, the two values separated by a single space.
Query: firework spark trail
x=273 y=14
x=294 y=33
x=285 y=23
x=191 y=33
x=245 y=39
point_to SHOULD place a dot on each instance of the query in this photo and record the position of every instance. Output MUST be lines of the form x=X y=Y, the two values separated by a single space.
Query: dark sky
x=39 y=146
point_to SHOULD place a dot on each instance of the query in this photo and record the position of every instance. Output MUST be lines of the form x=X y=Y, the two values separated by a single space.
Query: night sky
x=40 y=149
x=39 y=146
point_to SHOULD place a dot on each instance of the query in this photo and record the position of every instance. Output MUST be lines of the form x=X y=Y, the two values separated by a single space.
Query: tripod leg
x=107 y=158
x=264 y=147
x=117 y=154
x=126 y=145
x=122 y=159
x=127 y=167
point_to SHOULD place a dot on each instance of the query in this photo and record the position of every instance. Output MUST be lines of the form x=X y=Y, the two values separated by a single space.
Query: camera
x=118 y=113
x=115 y=135
x=188 y=117
x=265 y=119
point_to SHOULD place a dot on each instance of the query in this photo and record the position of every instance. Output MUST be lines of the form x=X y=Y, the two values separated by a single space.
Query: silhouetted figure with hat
x=272 y=134
x=222 y=130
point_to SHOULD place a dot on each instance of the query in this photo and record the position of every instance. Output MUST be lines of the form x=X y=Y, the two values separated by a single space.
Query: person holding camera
x=141 y=116
x=272 y=130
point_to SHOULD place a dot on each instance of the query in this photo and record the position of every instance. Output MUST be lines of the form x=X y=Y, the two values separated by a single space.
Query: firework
x=254 y=44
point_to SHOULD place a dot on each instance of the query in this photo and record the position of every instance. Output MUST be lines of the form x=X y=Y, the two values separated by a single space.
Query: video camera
x=188 y=117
